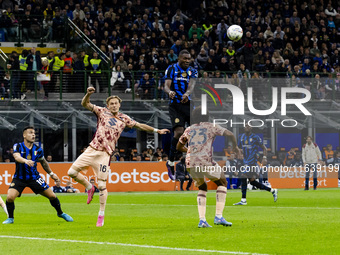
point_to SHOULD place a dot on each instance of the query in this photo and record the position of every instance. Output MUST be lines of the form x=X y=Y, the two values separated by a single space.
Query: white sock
x=219 y=216
x=171 y=163
x=272 y=190
x=221 y=194
x=203 y=219
x=244 y=200
x=101 y=213
x=201 y=203
x=88 y=187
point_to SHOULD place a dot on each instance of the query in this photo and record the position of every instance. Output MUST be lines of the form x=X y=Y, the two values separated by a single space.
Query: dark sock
x=173 y=150
x=260 y=185
x=56 y=204
x=244 y=187
x=189 y=184
x=10 y=209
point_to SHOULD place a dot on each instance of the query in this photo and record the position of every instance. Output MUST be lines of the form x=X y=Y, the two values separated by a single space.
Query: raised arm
x=150 y=129
x=85 y=102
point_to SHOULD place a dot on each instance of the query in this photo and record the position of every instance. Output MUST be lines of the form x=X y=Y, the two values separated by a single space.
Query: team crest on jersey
x=184 y=75
x=12 y=184
x=29 y=157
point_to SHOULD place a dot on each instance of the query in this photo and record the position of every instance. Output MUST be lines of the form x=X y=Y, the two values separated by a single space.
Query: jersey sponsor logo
x=112 y=122
x=181 y=79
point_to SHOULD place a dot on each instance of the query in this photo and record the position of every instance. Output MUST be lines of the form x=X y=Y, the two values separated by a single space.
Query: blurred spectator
x=195 y=30
x=96 y=65
x=92 y=181
x=79 y=11
x=290 y=156
x=70 y=189
x=328 y=153
x=117 y=79
x=57 y=188
x=221 y=31
x=146 y=87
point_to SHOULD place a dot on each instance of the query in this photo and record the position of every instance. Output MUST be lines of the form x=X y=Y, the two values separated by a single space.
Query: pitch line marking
x=269 y=207
x=129 y=245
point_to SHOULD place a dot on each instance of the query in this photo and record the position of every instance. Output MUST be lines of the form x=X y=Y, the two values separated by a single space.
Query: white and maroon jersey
x=109 y=128
x=200 y=138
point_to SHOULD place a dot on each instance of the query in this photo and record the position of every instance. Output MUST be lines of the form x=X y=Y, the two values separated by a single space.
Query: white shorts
x=99 y=160
x=199 y=174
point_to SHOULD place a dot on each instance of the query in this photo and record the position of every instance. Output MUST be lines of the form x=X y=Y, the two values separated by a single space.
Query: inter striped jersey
x=250 y=146
x=23 y=171
x=180 y=80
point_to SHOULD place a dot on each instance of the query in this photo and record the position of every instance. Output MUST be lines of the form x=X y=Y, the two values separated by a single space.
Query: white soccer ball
x=235 y=33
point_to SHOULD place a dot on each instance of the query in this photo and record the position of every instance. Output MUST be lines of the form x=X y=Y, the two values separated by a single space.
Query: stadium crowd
x=287 y=39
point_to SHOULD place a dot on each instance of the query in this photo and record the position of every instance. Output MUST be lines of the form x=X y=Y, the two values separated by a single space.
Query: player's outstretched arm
x=48 y=170
x=85 y=102
x=22 y=160
x=150 y=129
x=231 y=136
x=181 y=147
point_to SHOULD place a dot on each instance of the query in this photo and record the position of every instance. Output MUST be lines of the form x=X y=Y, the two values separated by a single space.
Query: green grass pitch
x=300 y=222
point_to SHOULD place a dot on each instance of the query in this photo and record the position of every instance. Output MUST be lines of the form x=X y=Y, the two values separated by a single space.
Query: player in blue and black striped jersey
x=26 y=155
x=179 y=84
x=250 y=144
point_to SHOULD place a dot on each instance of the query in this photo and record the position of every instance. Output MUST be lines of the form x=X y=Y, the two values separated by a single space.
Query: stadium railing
x=64 y=83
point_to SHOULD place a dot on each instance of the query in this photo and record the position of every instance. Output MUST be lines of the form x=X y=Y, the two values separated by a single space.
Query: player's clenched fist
x=91 y=90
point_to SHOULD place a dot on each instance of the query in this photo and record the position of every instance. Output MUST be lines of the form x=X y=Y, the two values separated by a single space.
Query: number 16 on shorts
x=102 y=168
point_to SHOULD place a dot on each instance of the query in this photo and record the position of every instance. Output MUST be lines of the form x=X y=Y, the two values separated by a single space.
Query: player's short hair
x=113 y=97
x=182 y=52
x=308 y=136
x=28 y=127
x=197 y=116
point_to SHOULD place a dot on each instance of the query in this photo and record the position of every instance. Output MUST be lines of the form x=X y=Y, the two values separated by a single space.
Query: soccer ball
x=235 y=33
